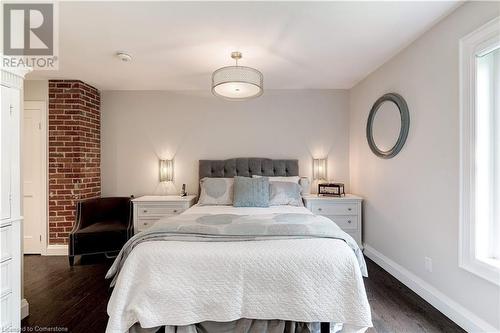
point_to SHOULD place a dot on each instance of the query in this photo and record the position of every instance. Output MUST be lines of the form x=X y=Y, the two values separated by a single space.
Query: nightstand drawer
x=326 y=208
x=150 y=209
x=345 y=211
x=155 y=210
x=344 y=222
x=143 y=224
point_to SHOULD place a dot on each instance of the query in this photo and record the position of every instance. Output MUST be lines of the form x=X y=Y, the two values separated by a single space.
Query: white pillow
x=216 y=191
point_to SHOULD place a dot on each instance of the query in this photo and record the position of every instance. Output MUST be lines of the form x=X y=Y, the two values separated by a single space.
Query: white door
x=33 y=177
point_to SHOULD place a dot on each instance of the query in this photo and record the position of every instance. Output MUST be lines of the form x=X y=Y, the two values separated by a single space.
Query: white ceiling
x=176 y=46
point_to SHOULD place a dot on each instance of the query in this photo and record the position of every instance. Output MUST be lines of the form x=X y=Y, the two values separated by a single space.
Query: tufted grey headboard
x=247 y=167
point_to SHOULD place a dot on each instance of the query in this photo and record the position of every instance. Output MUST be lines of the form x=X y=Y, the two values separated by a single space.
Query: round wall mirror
x=388 y=125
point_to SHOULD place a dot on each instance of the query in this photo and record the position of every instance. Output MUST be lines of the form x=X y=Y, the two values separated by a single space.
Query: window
x=480 y=152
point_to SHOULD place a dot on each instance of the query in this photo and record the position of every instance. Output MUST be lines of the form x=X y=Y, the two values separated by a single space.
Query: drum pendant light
x=237 y=82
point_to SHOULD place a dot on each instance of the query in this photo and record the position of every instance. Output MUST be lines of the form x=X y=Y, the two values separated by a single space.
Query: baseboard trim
x=57 y=250
x=456 y=312
x=25 y=308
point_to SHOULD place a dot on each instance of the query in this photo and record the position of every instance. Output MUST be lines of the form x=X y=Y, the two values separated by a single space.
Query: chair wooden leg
x=71 y=260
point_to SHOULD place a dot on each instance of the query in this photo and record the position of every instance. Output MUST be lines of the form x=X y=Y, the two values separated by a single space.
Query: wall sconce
x=319 y=169
x=166 y=170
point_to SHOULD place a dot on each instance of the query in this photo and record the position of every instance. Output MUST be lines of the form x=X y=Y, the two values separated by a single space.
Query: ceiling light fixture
x=237 y=82
x=124 y=56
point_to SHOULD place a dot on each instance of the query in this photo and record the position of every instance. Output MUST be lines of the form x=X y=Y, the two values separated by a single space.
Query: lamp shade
x=166 y=170
x=319 y=169
x=237 y=82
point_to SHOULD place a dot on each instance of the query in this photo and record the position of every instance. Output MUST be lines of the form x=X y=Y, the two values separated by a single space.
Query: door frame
x=42 y=105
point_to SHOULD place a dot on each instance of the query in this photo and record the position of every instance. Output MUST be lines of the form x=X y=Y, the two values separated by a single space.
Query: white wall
x=411 y=208
x=139 y=127
x=36 y=90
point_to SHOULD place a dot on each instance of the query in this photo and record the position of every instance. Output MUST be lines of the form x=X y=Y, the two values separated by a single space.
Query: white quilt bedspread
x=181 y=283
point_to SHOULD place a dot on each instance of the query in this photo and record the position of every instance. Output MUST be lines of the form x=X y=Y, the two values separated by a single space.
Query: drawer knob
x=175 y=210
x=349 y=221
x=349 y=209
x=320 y=209
x=145 y=210
x=145 y=223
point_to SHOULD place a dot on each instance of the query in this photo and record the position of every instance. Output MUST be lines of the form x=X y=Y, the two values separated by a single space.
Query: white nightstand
x=150 y=208
x=344 y=211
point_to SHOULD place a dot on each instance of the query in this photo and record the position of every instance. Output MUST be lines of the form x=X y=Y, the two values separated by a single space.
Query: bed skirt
x=238 y=326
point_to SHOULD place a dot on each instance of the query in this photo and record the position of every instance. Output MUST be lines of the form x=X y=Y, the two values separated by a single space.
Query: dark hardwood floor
x=74 y=299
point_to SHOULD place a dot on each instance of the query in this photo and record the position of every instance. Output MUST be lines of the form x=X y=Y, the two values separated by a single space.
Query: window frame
x=480 y=41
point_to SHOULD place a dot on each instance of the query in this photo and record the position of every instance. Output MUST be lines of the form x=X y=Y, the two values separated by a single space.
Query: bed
x=184 y=275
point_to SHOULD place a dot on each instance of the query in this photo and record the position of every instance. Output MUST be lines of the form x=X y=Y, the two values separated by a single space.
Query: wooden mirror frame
x=405 y=125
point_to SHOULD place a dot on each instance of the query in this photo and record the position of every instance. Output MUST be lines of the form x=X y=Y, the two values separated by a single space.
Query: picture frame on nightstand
x=331 y=189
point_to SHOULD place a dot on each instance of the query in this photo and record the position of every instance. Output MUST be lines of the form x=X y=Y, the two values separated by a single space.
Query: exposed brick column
x=74 y=152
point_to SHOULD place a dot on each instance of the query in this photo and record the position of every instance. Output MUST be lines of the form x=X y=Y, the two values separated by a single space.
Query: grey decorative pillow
x=284 y=193
x=251 y=192
x=216 y=191
x=302 y=181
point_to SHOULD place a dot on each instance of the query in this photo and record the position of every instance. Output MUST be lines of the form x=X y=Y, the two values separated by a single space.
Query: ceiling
x=177 y=45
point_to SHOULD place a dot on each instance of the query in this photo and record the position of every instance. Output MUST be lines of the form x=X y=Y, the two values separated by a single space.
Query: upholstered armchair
x=102 y=225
